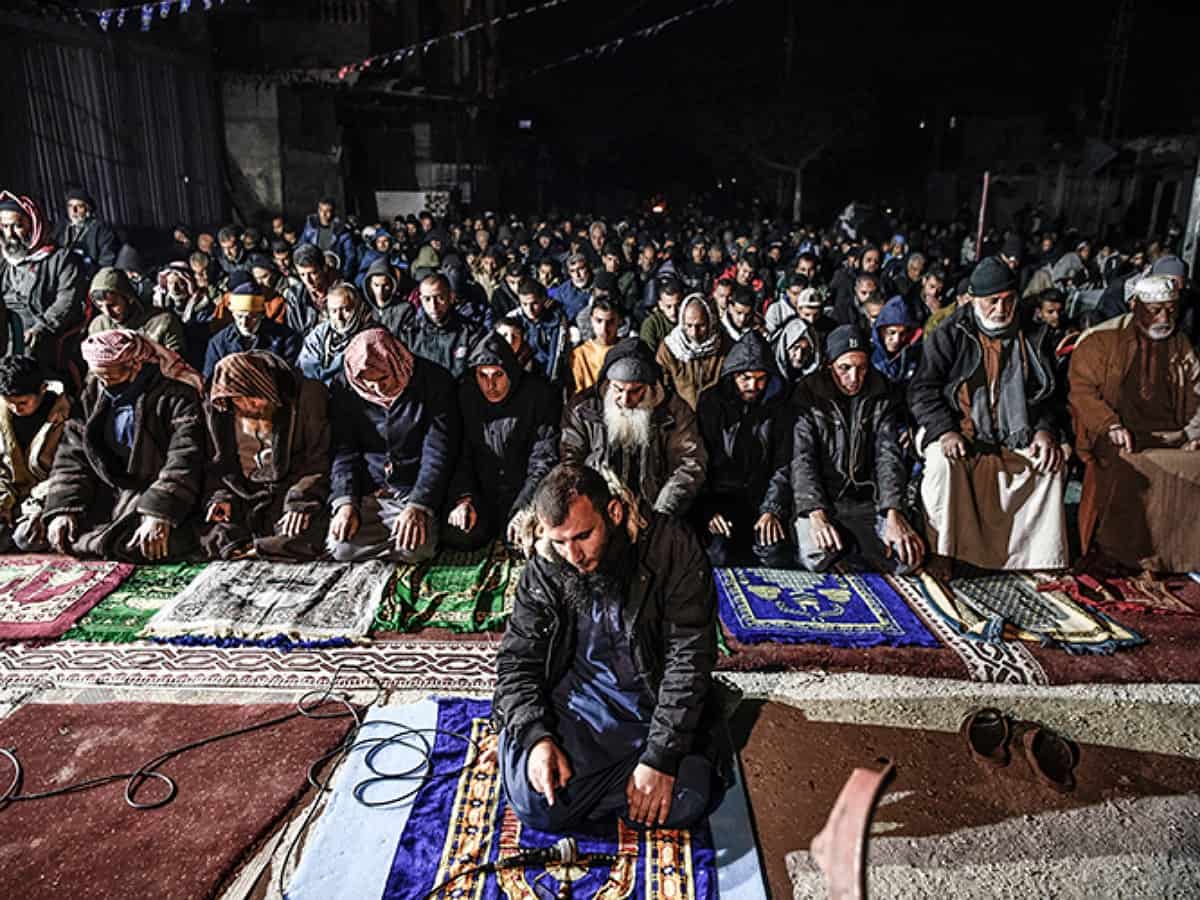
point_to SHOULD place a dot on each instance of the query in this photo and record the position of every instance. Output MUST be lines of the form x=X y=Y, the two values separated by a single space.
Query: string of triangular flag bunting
x=146 y=13
x=400 y=54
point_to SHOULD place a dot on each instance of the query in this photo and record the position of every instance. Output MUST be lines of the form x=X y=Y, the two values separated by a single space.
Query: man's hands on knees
x=824 y=533
x=954 y=445
x=62 y=533
x=768 y=529
x=718 y=524
x=648 y=793
x=344 y=524
x=293 y=524
x=151 y=538
x=1121 y=437
x=1046 y=452
x=410 y=529
x=463 y=516
x=899 y=538
x=547 y=768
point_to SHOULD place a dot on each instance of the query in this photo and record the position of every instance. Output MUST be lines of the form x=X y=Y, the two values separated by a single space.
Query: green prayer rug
x=458 y=591
x=121 y=616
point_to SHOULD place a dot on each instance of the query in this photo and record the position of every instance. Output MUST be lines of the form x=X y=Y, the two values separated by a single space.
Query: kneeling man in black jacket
x=848 y=472
x=603 y=679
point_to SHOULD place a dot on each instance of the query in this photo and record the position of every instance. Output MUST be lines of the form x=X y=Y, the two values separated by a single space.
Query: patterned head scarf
x=379 y=349
x=681 y=346
x=41 y=241
x=121 y=347
x=246 y=374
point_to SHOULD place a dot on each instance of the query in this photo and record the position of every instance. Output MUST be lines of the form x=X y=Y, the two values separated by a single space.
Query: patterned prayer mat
x=457 y=591
x=793 y=607
x=448 y=666
x=1008 y=605
x=1174 y=594
x=461 y=819
x=258 y=600
x=121 y=616
x=43 y=596
x=92 y=846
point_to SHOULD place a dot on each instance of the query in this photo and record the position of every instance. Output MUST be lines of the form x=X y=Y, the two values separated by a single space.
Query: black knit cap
x=846 y=339
x=991 y=276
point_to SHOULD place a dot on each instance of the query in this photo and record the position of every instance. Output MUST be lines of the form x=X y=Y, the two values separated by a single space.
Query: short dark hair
x=727 y=283
x=531 y=286
x=807 y=256
x=327 y=201
x=229 y=233
x=669 y=284
x=606 y=304
x=513 y=322
x=867 y=276
x=437 y=278
x=20 y=375
x=279 y=245
x=743 y=296
x=1051 y=295
x=553 y=498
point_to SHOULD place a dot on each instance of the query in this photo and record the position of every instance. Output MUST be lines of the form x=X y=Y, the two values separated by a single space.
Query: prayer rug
x=459 y=819
x=1128 y=593
x=401 y=664
x=1008 y=605
x=91 y=846
x=41 y=597
x=257 y=600
x=458 y=591
x=792 y=607
x=121 y=616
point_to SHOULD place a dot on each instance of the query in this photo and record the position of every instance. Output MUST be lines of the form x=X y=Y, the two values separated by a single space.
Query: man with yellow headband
x=250 y=330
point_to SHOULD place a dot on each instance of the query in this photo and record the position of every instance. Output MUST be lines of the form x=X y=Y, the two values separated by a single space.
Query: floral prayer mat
x=256 y=601
x=120 y=617
x=41 y=597
x=793 y=607
x=458 y=591
x=1008 y=605
x=1133 y=593
x=460 y=819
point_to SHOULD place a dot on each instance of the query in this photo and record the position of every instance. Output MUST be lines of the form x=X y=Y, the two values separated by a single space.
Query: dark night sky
x=711 y=90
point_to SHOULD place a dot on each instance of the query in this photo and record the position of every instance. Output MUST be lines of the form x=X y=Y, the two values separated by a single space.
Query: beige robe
x=1138 y=508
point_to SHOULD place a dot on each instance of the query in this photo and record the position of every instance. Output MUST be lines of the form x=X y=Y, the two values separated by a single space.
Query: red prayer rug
x=41 y=597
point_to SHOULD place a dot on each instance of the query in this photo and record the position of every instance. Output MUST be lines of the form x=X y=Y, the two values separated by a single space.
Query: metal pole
x=1191 y=236
x=987 y=177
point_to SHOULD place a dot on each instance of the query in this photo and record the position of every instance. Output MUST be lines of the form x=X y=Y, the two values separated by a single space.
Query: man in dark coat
x=848 y=471
x=396 y=435
x=42 y=286
x=547 y=331
x=983 y=400
x=510 y=441
x=746 y=424
x=268 y=482
x=628 y=423
x=438 y=333
x=328 y=233
x=388 y=304
x=129 y=472
x=81 y=233
x=250 y=330
x=604 y=693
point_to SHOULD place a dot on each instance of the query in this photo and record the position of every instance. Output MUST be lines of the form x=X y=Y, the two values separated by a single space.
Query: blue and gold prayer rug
x=794 y=607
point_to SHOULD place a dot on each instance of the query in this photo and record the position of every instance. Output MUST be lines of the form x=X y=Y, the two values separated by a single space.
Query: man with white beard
x=41 y=286
x=1135 y=399
x=629 y=423
x=983 y=401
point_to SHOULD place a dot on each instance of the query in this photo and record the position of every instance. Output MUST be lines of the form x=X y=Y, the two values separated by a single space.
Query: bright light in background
x=658 y=209
x=922 y=125
x=525 y=124
x=954 y=121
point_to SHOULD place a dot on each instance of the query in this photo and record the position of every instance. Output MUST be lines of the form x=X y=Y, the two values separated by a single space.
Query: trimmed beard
x=628 y=428
x=15 y=251
x=1158 y=332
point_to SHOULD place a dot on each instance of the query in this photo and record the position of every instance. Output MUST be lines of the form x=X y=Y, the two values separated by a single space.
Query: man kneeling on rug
x=269 y=481
x=848 y=471
x=1135 y=397
x=129 y=472
x=604 y=677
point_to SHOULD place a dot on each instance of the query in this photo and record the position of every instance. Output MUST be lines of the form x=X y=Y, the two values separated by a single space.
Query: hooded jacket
x=24 y=470
x=507 y=447
x=166 y=461
x=397 y=313
x=689 y=378
x=671 y=469
x=749 y=445
x=160 y=325
x=793 y=330
x=833 y=456
x=300 y=451
x=549 y=338
x=341 y=243
x=952 y=356
x=901 y=367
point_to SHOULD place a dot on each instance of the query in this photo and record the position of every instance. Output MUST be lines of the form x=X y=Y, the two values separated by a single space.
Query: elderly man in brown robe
x=1135 y=399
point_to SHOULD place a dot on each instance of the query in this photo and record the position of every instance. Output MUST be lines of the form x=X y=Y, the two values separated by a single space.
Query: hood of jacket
x=381 y=266
x=794 y=329
x=752 y=353
x=494 y=350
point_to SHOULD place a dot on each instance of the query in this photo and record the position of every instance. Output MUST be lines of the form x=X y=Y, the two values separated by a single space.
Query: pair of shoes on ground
x=991 y=735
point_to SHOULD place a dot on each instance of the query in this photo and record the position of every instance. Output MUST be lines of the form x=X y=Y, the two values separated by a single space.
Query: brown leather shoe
x=1051 y=757
x=987 y=732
